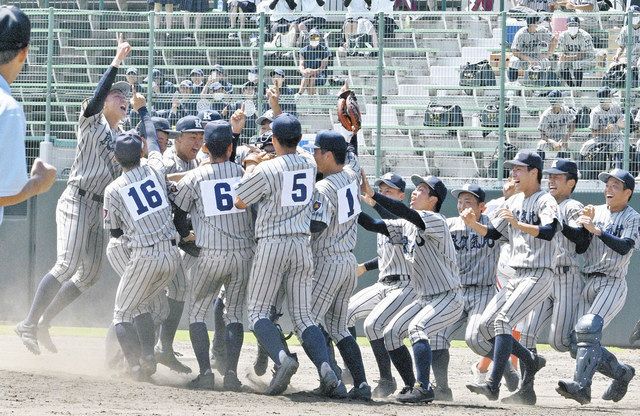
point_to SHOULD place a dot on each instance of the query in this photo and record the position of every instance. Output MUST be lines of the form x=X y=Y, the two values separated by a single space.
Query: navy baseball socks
x=164 y=352
x=218 y=346
x=147 y=335
x=387 y=384
x=200 y=343
x=402 y=361
x=352 y=358
x=65 y=296
x=130 y=345
x=314 y=345
x=234 y=336
x=440 y=367
x=269 y=338
x=421 y=391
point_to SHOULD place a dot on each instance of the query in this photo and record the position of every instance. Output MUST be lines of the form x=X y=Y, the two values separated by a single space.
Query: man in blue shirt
x=314 y=59
x=15 y=187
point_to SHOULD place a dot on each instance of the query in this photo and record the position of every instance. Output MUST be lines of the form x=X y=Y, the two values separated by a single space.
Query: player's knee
x=588 y=330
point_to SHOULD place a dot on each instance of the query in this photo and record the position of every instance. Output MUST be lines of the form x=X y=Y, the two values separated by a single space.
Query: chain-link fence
x=449 y=93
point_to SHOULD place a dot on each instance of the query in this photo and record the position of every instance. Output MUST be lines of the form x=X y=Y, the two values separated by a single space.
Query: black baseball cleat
x=443 y=394
x=148 y=365
x=530 y=372
x=569 y=389
x=282 y=377
x=169 y=360
x=635 y=334
x=485 y=390
x=618 y=388
x=231 y=382
x=28 y=333
x=330 y=384
x=416 y=394
x=204 y=381
x=362 y=392
x=526 y=395
x=384 y=388
x=44 y=339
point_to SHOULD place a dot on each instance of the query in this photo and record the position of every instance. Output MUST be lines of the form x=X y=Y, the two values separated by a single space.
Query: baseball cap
x=218 y=68
x=554 y=96
x=249 y=84
x=197 y=71
x=286 y=127
x=128 y=147
x=278 y=71
x=159 y=123
x=15 y=28
x=330 y=140
x=527 y=158
x=532 y=20
x=620 y=174
x=470 y=188
x=218 y=131
x=314 y=33
x=562 y=166
x=392 y=180
x=132 y=70
x=432 y=182
x=186 y=83
x=266 y=116
x=209 y=115
x=121 y=86
x=604 y=92
x=155 y=73
x=573 y=21
x=189 y=124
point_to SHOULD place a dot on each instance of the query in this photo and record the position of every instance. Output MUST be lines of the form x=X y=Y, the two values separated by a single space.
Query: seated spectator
x=249 y=106
x=283 y=22
x=358 y=26
x=386 y=7
x=529 y=47
x=576 y=53
x=237 y=9
x=214 y=98
x=314 y=59
x=264 y=122
x=156 y=5
x=314 y=18
x=131 y=75
x=287 y=100
x=621 y=40
x=183 y=102
x=162 y=90
x=557 y=124
x=252 y=75
x=197 y=78
x=190 y=7
x=218 y=75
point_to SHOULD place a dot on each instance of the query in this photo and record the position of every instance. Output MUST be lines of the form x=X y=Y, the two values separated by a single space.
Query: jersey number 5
x=296 y=187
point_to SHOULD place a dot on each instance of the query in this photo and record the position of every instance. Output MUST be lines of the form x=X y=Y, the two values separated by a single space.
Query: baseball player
x=530 y=220
x=336 y=207
x=528 y=47
x=225 y=235
x=623 y=36
x=393 y=291
x=282 y=188
x=557 y=124
x=560 y=307
x=136 y=206
x=615 y=230
x=477 y=258
x=438 y=301
x=80 y=241
x=576 y=53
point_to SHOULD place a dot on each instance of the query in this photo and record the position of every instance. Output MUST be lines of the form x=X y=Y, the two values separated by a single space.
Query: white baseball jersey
x=581 y=43
x=601 y=259
x=531 y=44
x=568 y=211
x=476 y=256
x=208 y=193
x=556 y=125
x=528 y=252
x=434 y=242
x=173 y=163
x=394 y=259
x=621 y=40
x=600 y=118
x=283 y=188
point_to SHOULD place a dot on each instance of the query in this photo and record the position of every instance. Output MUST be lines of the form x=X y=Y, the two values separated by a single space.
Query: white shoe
x=478 y=377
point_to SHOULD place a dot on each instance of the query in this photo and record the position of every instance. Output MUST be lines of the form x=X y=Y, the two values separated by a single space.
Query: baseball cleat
x=29 y=336
x=204 y=381
x=530 y=372
x=231 y=382
x=44 y=339
x=635 y=335
x=526 y=395
x=282 y=377
x=136 y=373
x=330 y=384
x=569 y=389
x=384 y=388
x=443 y=394
x=618 y=388
x=416 y=394
x=148 y=365
x=485 y=390
x=262 y=362
x=363 y=392
x=169 y=360
x=511 y=378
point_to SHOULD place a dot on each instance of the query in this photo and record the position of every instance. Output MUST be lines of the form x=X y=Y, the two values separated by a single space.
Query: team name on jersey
x=474 y=241
x=529 y=217
x=612 y=229
x=107 y=141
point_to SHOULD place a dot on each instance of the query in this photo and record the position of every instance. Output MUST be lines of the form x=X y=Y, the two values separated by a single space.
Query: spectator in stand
x=557 y=124
x=252 y=75
x=314 y=18
x=197 y=78
x=283 y=22
x=183 y=102
x=162 y=90
x=314 y=59
x=249 y=106
x=196 y=7
x=214 y=98
x=528 y=47
x=576 y=53
x=622 y=39
x=237 y=9
x=386 y=7
x=287 y=94
x=218 y=75
x=131 y=75
x=156 y=6
x=358 y=23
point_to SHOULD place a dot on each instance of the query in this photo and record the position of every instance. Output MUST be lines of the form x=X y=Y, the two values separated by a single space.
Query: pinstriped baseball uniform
x=556 y=125
x=581 y=44
x=137 y=203
x=80 y=238
x=621 y=40
x=560 y=307
x=225 y=235
x=337 y=205
x=378 y=303
x=600 y=118
x=477 y=258
x=438 y=301
x=533 y=260
x=283 y=190
x=530 y=44
x=604 y=270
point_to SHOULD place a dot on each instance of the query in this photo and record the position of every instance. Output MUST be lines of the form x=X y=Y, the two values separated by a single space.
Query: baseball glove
x=190 y=248
x=349 y=111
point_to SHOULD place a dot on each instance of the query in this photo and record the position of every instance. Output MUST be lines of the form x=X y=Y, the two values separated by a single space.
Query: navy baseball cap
x=573 y=21
x=286 y=127
x=554 y=96
x=189 y=124
x=604 y=92
x=186 y=83
x=209 y=115
x=132 y=70
x=470 y=188
x=218 y=68
x=330 y=140
x=121 y=86
x=15 y=29
x=278 y=71
x=250 y=84
x=527 y=158
x=266 y=116
x=218 y=131
x=392 y=180
x=128 y=147
x=620 y=174
x=562 y=167
x=159 y=123
x=314 y=33
x=197 y=71
x=155 y=73
x=432 y=182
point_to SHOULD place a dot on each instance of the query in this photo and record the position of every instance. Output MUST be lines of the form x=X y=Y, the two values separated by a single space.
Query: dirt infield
x=74 y=382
